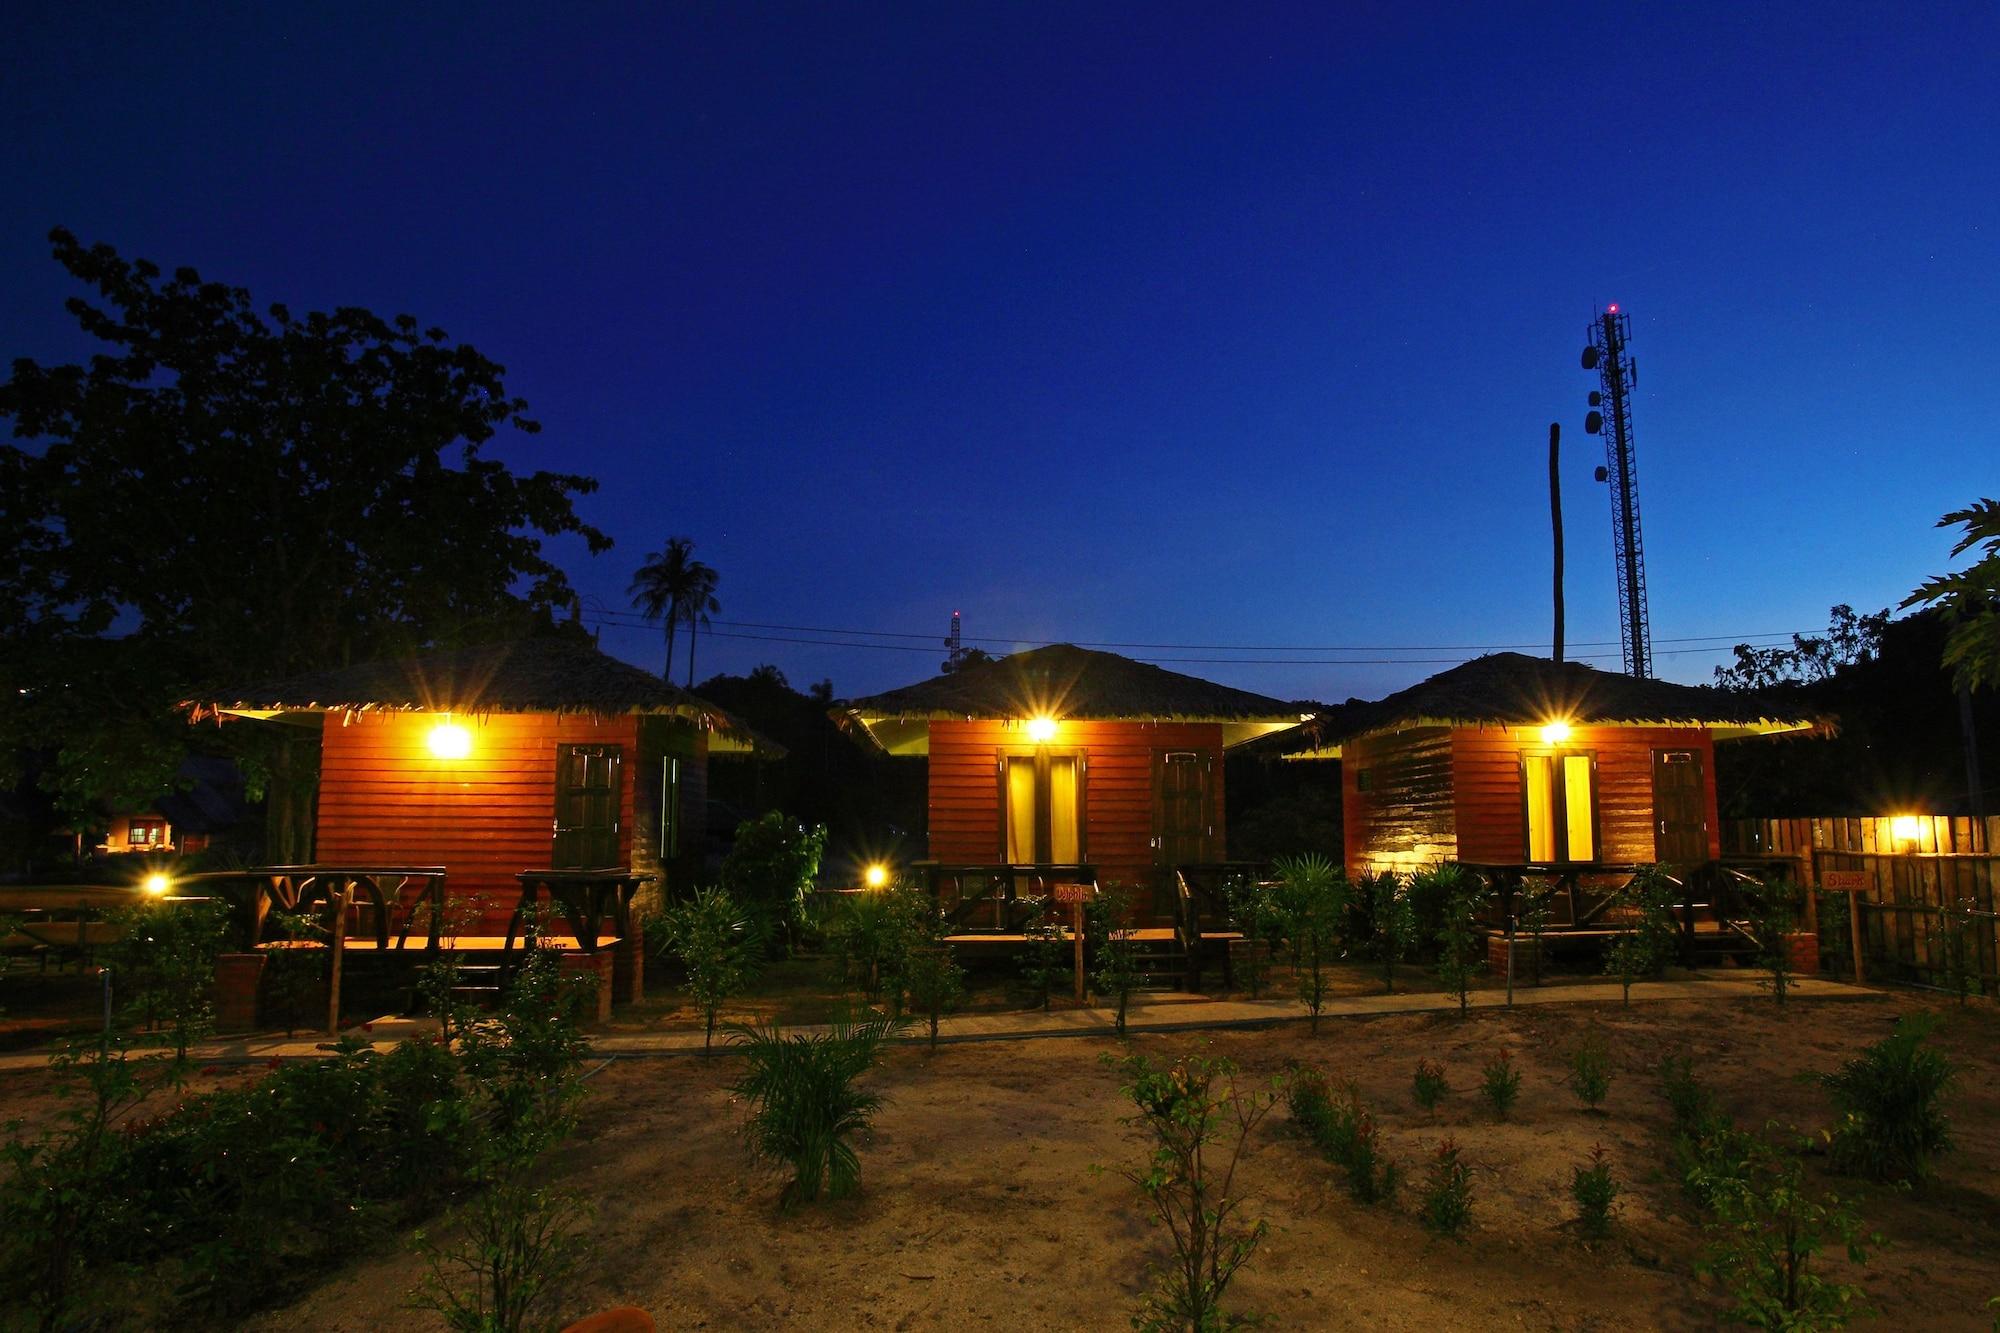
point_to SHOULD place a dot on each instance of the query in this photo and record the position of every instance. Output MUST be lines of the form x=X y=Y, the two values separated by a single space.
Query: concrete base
x=237 y=978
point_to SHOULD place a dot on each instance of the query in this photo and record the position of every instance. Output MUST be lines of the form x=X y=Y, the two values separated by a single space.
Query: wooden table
x=584 y=896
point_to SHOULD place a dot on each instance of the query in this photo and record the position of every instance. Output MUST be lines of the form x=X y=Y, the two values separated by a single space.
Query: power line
x=1209 y=661
x=632 y=619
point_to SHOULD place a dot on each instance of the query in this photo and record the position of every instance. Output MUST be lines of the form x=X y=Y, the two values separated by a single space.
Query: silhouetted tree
x=1849 y=640
x=1970 y=598
x=242 y=493
x=664 y=588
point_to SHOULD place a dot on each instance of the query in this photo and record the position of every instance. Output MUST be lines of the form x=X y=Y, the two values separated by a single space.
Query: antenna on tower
x=954 y=646
x=1611 y=415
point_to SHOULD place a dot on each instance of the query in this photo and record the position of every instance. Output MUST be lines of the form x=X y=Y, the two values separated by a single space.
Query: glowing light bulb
x=875 y=876
x=1042 y=729
x=156 y=885
x=448 y=740
x=1905 y=828
x=1555 y=733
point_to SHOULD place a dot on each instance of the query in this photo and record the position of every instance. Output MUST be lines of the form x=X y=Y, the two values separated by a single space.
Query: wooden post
x=1076 y=935
x=339 y=946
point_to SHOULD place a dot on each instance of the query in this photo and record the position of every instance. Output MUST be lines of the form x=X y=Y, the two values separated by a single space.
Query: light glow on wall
x=1041 y=729
x=1906 y=828
x=448 y=740
x=1555 y=733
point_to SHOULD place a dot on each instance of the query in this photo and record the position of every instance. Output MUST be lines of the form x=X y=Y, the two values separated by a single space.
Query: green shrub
x=1772 y=907
x=1688 y=1098
x=65 y=1261
x=717 y=945
x=1459 y=937
x=1534 y=912
x=1763 y=1241
x=1890 y=1099
x=1713 y=1159
x=770 y=870
x=164 y=964
x=1253 y=910
x=1446 y=1206
x=1114 y=951
x=1392 y=925
x=935 y=982
x=295 y=976
x=1341 y=1126
x=1595 y=1192
x=1315 y=893
x=512 y=1250
x=1500 y=1081
x=1590 y=1069
x=1429 y=1086
x=1198 y=1129
x=1045 y=955
x=805 y=1107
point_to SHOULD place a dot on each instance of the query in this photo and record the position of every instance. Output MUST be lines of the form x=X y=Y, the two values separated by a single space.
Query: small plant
x=770 y=871
x=1595 y=1193
x=1763 y=1240
x=295 y=973
x=1446 y=1208
x=1459 y=937
x=1341 y=1126
x=1254 y=911
x=1429 y=1086
x=935 y=983
x=1500 y=1081
x=1189 y=1116
x=1533 y=914
x=1392 y=924
x=1316 y=893
x=1115 y=950
x=717 y=946
x=805 y=1109
x=1773 y=911
x=166 y=962
x=1590 y=1069
x=1890 y=1099
x=514 y=1247
x=1958 y=961
x=1689 y=1100
x=1044 y=956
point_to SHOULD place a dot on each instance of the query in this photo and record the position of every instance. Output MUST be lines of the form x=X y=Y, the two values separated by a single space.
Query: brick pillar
x=237 y=976
x=628 y=966
x=596 y=965
x=1803 y=945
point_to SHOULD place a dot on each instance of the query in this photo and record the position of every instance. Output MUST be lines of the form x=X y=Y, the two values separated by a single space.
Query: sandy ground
x=980 y=1207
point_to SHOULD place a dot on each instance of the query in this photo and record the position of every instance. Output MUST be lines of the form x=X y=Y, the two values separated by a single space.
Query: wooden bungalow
x=1519 y=762
x=543 y=754
x=1062 y=762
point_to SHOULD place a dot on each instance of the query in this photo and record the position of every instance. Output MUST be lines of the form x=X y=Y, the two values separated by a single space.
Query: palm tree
x=699 y=605
x=665 y=587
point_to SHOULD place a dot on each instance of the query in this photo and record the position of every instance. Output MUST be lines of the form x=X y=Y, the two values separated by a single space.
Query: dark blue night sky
x=1166 y=324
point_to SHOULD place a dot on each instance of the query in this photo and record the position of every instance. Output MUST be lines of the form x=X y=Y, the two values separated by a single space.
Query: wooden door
x=1680 y=808
x=587 y=807
x=1183 y=807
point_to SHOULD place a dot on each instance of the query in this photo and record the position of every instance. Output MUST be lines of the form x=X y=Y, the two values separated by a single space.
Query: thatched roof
x=1511 y=689
x=553 y=675
x=1064 y=682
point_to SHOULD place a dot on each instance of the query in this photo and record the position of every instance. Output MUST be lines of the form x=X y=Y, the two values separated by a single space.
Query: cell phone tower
x=955 y=646
x=1611 y=415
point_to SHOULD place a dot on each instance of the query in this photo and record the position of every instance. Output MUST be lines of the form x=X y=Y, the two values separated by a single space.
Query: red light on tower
x=1614 y=307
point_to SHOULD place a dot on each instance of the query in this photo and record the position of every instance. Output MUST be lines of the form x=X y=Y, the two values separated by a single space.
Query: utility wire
x=633 y=619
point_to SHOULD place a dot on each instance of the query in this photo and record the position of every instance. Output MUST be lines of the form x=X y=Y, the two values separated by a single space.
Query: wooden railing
x=996 y=899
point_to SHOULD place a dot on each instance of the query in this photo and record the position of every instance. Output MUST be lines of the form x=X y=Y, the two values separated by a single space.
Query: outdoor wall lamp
x=1555 y=733
x=448 y=740
x=1041 y=729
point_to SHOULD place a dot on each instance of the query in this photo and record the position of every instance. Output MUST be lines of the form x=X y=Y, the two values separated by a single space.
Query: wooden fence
x=1900 y=873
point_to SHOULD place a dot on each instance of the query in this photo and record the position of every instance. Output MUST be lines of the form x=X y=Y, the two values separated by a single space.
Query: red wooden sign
x=1846 y=881
x=1071 y=893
